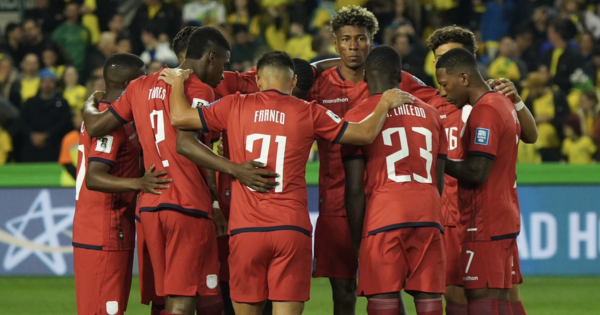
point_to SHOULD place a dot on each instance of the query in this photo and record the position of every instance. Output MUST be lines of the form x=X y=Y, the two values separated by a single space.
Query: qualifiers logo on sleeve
x=482 y=136
x=104 y=144
x=198 y=102
x=333 y=116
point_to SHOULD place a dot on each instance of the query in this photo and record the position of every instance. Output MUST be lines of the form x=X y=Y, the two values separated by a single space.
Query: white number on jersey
x=159 y=131
x=264 y=154
x=403 y=153
x=451 y=135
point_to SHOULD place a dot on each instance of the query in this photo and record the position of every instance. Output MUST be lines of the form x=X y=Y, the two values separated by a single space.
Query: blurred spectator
x=399 y=20
x=277 y=28
x=8 y=76
x=97 y=74
x=116 y=25
x=505 y=66
x=561 y=60
x=69 y=149
x=154 y=67
x=156 y=50
x=412 y=60
x=549 y=108
x=36 y=42
x=384 y=13
x=577 y=148
x=45 y=119
x=47 y=14
x=123 y=45
x=246 y=12
x=496 y=22
x=9 y=127
x=28 y=86
x=321 y=15
x=89 y=20
x=166 y=16
x=106 y=47
x=50 y=61
x=322 y=47
x=575 y=10
x=524 y=49
x=539 y=23
x=6 y=145
x=588 y=111
x=299 y=45
x=204 y=12
x=74 y=93
x=586 y=45
x=244 y=49
x=13 y=42
x=73 y=37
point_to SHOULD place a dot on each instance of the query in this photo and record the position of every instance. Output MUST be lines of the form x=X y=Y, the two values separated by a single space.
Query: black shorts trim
x=271 y=229
x=170 y=206
x=137 y=218
x=204 y=125
x=101 y=160
x=339 y=136
x=505 y=236
x=353 y=157
x=482 y=154
x=86 y=246
x=407 y=225
x=119 y=118
x=442 y=156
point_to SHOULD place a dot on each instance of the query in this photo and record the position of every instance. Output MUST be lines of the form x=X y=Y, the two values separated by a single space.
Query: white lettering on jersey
x=407 y=110
x=337 y=100
x=157 y=92
x=269 y=115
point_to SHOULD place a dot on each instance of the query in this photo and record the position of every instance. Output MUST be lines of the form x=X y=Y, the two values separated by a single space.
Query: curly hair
x=452 y=34
x=181 y=40
x=354 y=16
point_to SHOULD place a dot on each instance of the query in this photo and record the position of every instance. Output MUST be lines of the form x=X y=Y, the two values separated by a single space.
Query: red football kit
x=489 y=213
x=176 y=223
x=274 y=228
x=403 y=220
x=104 y=224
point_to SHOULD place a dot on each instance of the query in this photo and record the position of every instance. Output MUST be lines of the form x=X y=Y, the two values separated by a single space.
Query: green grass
x=56 y=296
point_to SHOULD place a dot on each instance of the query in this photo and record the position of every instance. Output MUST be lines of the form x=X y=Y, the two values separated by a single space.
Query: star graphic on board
x=46 y=246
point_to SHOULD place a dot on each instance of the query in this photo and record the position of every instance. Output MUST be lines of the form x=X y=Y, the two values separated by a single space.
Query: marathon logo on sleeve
x=198 y=102
x=104 y=144
x=482 y=136
x=333 y=116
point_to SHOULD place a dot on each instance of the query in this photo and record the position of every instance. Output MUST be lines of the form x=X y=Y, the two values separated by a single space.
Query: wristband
x=215 y=204
x=520 y=105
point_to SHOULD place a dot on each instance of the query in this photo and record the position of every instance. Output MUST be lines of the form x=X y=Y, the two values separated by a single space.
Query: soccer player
x=402 y=243
x=270 y=234
x=179 y=233
x=486 y=171
x=107 y=185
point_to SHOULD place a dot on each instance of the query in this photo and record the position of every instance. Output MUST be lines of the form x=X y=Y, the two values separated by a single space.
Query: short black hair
x=239 y=28
x=453 y=34
x=118 y=66
x=152 y=28
x=564 y=28
x=305 y=73
x=201 y=39
x=277 y=59
x=457 y=58
x=11 y=27
x=181 y=40
x=354 y=16
x=386 y=61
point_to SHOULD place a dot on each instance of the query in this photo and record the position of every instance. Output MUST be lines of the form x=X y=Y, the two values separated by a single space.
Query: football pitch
x=56 y=296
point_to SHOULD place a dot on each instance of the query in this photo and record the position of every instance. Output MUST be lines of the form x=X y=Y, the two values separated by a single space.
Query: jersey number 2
x=159 y=131
x=264 y=154
x=403 y=153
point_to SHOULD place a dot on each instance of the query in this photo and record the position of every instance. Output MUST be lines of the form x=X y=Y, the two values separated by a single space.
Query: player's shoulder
x=330 y=75
x=410 y=79
x=363 y=108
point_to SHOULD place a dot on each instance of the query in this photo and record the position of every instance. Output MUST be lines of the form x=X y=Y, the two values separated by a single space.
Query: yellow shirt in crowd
x=5 y=146
x=504 y=67
x=75 y=96
x=547 y=133
x=579 y=151
x=300 y=47
x=29 y=88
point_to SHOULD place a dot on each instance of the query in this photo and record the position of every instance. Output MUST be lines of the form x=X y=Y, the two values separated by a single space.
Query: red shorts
x=488 y=264
x=334 y=254
x=412 y=259
x=454 y=270
x=270 y=265
x=517 y=277
x=102 y=280
x=147 y=288
x=183 y=252
x=223 y=243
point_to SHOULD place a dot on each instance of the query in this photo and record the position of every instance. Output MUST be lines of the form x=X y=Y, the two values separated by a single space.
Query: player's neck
x=477 y=92
x=112 y=95
x=380 y=87
x=353 y=75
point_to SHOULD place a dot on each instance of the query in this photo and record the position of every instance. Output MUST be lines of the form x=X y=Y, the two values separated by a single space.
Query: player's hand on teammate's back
x=97 y=96
x=505 y=87
x=248 y=174
x=220 y=222
x=151 y=181
x=396 y=98
x=170 y=75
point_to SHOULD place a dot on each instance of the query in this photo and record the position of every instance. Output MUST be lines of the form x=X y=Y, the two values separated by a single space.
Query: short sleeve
x=105 y=149
x=418 y=88
x=484 y=129
x=121 y=108
x=443 y=146
x=326 y=124
x=199 y=94
x=215 y=115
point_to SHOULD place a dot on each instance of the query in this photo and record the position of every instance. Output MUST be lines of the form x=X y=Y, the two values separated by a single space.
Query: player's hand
x=150 y=182
x=396 y=98
x=220 y=150
x=172 y=75
x=506 y=88
x=97 y=96
x=220 y=222
x=248 y=174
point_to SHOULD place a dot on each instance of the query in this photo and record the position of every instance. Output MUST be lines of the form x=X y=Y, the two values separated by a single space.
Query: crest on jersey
x=212 y=281
x=104 y=144
x=419 y=81
x=112 y=307
x=333 y=116
x=482 y=136
x=198 y=102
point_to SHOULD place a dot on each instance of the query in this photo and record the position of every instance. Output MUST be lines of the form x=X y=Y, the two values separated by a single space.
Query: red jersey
x=401 y=181
x=490 y=211
x=278 y=130
x=106 y=221
x=146 y=101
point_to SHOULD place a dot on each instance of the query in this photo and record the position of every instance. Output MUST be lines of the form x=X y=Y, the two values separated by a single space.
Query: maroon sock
x=456 y=309
x=430 y=307
x=156 y=309
x=209 y=305
x=487 y=306
x=504 y=307
x=383 y=306
x=517 y=308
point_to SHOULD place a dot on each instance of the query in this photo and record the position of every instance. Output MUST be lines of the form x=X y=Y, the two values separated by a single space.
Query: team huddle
x=415 y=184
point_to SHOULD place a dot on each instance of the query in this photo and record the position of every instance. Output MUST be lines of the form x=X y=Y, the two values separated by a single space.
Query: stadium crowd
x=52 y=59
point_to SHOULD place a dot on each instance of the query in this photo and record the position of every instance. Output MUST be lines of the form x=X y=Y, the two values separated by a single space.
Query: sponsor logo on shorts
x=337 y=100
x=470 y=278
x=112 y=307
x=212 y=281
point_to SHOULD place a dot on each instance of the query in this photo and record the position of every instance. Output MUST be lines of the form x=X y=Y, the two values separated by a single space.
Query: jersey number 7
x=159 y=131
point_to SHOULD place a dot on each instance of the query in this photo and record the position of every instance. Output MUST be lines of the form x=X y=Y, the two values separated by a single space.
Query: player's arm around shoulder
x=97 y=123
x=182 y=115
x=529 y=131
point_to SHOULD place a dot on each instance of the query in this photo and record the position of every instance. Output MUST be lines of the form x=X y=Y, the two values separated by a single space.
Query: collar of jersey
x=273 y=90
x=484 y=94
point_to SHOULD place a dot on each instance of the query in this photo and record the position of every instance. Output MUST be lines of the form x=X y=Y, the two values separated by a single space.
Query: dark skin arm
x=439 y=174
x=183 y=117
x=98 y=178
x=355 y=199
x=97 y=123
x=473 y=171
